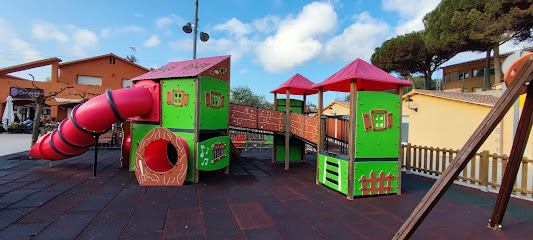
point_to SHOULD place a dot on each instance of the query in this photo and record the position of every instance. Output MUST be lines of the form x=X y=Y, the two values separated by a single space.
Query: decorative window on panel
x=89 y=80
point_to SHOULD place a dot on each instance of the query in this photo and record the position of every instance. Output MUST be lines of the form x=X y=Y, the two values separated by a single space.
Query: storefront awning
x=68 y=100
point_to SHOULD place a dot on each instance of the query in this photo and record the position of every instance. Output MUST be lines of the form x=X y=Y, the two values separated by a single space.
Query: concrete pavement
x=14 y=143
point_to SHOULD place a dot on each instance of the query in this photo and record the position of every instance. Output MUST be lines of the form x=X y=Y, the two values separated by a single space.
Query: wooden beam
x=319 y=137
x=274 y=148
x=399 y=91
x=303 y=108
x=198 y=82
x=275 y=101
x=516 y=87
x=287 y=125
x=303 y=126
x=515 y=159
x=351 y=139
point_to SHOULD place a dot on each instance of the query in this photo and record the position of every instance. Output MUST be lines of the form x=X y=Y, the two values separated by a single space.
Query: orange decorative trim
x=175 y=176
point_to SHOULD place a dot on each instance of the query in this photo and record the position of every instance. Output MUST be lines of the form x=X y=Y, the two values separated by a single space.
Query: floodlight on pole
x=204 y=36
x=187 y=28
x=193 y=27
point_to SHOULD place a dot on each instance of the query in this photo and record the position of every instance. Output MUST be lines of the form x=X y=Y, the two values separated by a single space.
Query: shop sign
x=24 y=93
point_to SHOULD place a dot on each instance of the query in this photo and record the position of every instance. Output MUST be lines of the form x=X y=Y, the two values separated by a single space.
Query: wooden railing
x=485 y=170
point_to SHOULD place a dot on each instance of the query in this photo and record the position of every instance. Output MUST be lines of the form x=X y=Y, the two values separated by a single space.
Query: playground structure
x=180 y=118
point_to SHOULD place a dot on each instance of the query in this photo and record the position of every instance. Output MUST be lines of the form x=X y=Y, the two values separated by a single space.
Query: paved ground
x=258 y=200
x=18 y=142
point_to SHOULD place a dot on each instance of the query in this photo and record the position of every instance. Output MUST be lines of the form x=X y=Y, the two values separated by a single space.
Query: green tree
x=407 y=55
x=479 y=25
x=244 y=96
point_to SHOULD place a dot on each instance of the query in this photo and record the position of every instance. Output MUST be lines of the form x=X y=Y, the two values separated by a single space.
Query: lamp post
x=188 y=28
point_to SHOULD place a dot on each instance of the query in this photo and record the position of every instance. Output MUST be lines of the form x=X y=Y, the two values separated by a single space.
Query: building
x=468 y=76
x=88 y=77
x=337 y=108
x=454 y=120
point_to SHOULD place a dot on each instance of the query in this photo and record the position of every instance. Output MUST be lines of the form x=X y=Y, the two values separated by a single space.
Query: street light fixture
x=187 y=29
x=204 y=36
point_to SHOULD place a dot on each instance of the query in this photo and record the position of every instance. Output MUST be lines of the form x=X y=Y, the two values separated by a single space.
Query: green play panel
x=177 y=104
x=214 y=104
x=137 y=134
x=295 y=149
x=213 y=153
x=371 y=177
x=378 y=119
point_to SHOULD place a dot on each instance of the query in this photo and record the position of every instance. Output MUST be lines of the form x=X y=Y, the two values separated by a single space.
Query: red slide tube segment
x=75 y=134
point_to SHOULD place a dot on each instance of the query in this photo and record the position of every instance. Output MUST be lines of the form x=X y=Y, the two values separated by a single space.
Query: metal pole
x=95 y=163
x=195 y=29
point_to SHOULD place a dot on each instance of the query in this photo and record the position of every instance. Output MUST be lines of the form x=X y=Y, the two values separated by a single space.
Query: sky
x=269 y=41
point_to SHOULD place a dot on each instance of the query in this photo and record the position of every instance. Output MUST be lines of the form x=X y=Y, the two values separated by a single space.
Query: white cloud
x=23 y=49
x=296 y=40
x=237 y=48
x=82 y=40
x=165 y=22
x=235 y=27
x=152 y=41
x=411 y=13
x=358 y=40
x=106 y=32
x=45 y=31
x=267 y=24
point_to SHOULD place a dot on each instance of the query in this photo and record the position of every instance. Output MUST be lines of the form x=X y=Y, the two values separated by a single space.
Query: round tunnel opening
x=161 y=156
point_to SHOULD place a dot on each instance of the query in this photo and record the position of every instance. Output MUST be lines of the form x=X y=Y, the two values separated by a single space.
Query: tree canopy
x=244 y=96
x=407 y=54
x=478 y=25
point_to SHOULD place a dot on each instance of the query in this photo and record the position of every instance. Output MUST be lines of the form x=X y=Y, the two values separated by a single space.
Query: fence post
x=484 y=171
x=408 y=158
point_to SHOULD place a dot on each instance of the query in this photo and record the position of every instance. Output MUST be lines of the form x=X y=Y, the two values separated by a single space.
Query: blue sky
x=269 y=41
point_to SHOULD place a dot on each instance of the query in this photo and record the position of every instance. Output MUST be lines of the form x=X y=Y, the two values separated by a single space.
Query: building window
x=89 y=80
x=112 y=60
x=478 y=72
x=126 y=83
x=464 y=74
x=453 y=76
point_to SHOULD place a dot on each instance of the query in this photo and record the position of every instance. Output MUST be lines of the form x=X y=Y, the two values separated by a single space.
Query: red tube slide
x=77 y=133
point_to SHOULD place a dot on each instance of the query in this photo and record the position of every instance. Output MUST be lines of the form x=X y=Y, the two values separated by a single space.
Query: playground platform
x=258 y=200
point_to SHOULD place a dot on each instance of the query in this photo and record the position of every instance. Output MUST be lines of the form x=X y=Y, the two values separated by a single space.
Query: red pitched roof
x=30 y=65
x=189 y=68
x=369 y=78
x=102 y=56
x=298 y=85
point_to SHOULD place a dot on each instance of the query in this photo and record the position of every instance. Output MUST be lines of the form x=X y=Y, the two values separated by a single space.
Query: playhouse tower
x=188 y=125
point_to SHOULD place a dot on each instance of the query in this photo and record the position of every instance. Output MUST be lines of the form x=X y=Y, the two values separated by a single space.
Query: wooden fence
x=485 y=170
